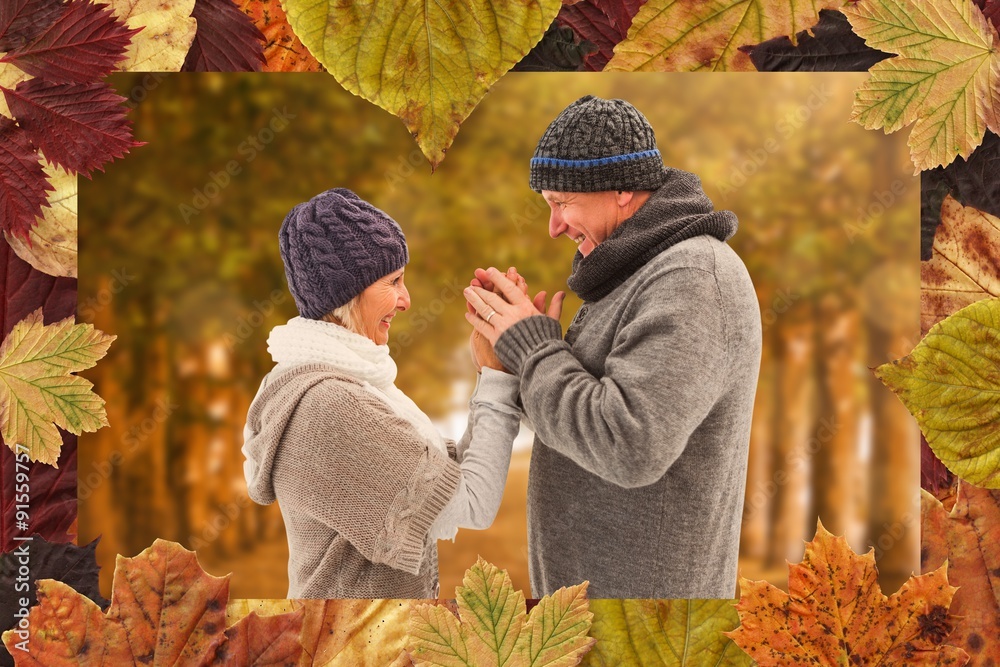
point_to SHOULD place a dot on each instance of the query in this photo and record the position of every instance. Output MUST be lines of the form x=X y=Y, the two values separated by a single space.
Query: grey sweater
x=642 y=421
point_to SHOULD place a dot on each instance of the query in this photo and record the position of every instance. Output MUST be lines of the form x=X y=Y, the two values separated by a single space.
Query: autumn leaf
x=226 y=40
x=945 y=80
x=23 y=186
x=964 y=266
x=681 y=36
x=52 y=512
x=971 y=181
x=966 y=534
x=168 y=29
x=72 y=565
x=601 y=23
x=495 y=629
x=37 y=388
x=560 y=50
x=22 y=20
x=24 y=288
x=165 y=610
x=83 y=44
x=681 y=633
x=830 y=46
x=51 y=244
x=429 y=64
x=950 y=382
x=78 y=126
x=835 y=613
x=283 y=51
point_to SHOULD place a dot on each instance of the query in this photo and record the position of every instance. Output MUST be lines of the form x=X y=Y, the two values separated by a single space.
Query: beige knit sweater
x=357 y=515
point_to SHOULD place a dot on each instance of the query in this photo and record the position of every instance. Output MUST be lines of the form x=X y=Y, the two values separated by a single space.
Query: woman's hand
x=491 y=313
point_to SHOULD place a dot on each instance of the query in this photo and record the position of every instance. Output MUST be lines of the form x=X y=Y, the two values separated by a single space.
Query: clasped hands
x=496 y=301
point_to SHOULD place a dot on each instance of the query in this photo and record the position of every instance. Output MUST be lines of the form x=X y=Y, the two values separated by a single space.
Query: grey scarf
x=678 y=210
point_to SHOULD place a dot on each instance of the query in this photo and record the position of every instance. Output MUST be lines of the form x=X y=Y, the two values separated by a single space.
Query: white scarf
x=302 y=341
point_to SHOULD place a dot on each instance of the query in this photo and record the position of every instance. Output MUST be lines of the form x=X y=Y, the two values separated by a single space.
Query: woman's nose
x=403 y=300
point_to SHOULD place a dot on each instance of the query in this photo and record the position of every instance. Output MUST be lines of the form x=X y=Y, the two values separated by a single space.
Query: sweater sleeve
x=664 y=372
x=352 y=464
x=494 y=420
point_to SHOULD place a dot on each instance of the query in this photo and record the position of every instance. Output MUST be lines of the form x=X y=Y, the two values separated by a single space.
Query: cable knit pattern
x=334 y=246
x=588 y=132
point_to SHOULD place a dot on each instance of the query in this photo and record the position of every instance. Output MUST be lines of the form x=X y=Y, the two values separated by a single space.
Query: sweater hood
x=677 y=211
x=268 y=417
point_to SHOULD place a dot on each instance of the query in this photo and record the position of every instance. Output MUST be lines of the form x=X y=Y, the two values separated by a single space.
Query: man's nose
x=556 y=225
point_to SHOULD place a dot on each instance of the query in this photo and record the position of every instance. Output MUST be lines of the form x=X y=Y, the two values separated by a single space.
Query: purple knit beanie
x=334 y=246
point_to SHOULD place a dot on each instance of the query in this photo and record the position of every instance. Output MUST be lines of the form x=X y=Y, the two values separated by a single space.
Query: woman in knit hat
x=365 y=483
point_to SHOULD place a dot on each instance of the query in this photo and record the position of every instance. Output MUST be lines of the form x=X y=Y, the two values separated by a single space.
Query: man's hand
x=483 y=354
x=493 y=313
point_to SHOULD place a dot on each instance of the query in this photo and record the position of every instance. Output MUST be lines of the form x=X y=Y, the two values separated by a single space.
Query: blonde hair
x=346 y=315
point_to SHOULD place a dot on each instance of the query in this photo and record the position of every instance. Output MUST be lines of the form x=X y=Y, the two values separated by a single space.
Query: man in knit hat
x=642 y=412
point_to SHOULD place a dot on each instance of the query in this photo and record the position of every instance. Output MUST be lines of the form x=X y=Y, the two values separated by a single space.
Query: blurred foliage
x=179 y=252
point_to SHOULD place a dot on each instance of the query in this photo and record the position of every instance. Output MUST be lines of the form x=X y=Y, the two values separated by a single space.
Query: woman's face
x=379 y=303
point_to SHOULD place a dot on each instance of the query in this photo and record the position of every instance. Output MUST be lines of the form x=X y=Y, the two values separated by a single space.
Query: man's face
x=588 y=218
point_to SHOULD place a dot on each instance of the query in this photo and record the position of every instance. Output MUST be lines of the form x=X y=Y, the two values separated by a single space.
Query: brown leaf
x=966 y=532
x=965 y=263
x=165 y=610
x=283 y=51
x=836 y=614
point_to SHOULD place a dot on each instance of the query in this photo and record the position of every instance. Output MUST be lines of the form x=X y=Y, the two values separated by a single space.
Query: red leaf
x=991 y=10
x=82 y=45
x=22 y=20
x=601 y=22
x=24 y=289
x=77 y=126
x=23 y=186
x=263 y=640
x=52 y=507
x=226 y=40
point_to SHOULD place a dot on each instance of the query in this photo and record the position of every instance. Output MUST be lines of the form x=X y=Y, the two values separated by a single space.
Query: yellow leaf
x=951 y=383
x=238 y=609
x=496 y=632
x=965 y=263
x=10 y=76
x=681 y=633
x=36 y=387
x=944 y=79
x=167 y=32
x=690 y=35
x=53 y=239
x=427 y=63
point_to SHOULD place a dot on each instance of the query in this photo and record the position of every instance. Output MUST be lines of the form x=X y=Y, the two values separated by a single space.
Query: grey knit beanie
x=334 y=246
x=595 y=145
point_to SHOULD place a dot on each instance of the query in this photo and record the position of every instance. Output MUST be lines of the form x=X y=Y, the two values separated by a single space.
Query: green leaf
x=493 y=613
x=36 y=387
x=682 y=633
x=496 y=632
x=951 y=384
x=682 y=36
x=427 y=63
x=944 y=80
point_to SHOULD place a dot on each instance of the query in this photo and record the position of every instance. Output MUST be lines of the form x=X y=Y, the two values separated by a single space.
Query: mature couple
x=641 y=412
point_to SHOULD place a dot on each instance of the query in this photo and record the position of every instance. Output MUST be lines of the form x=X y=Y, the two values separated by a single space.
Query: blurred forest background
x=179 y=258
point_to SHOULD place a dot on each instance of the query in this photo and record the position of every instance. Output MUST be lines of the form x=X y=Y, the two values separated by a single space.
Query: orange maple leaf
x=836 y=614
x=165 y=610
